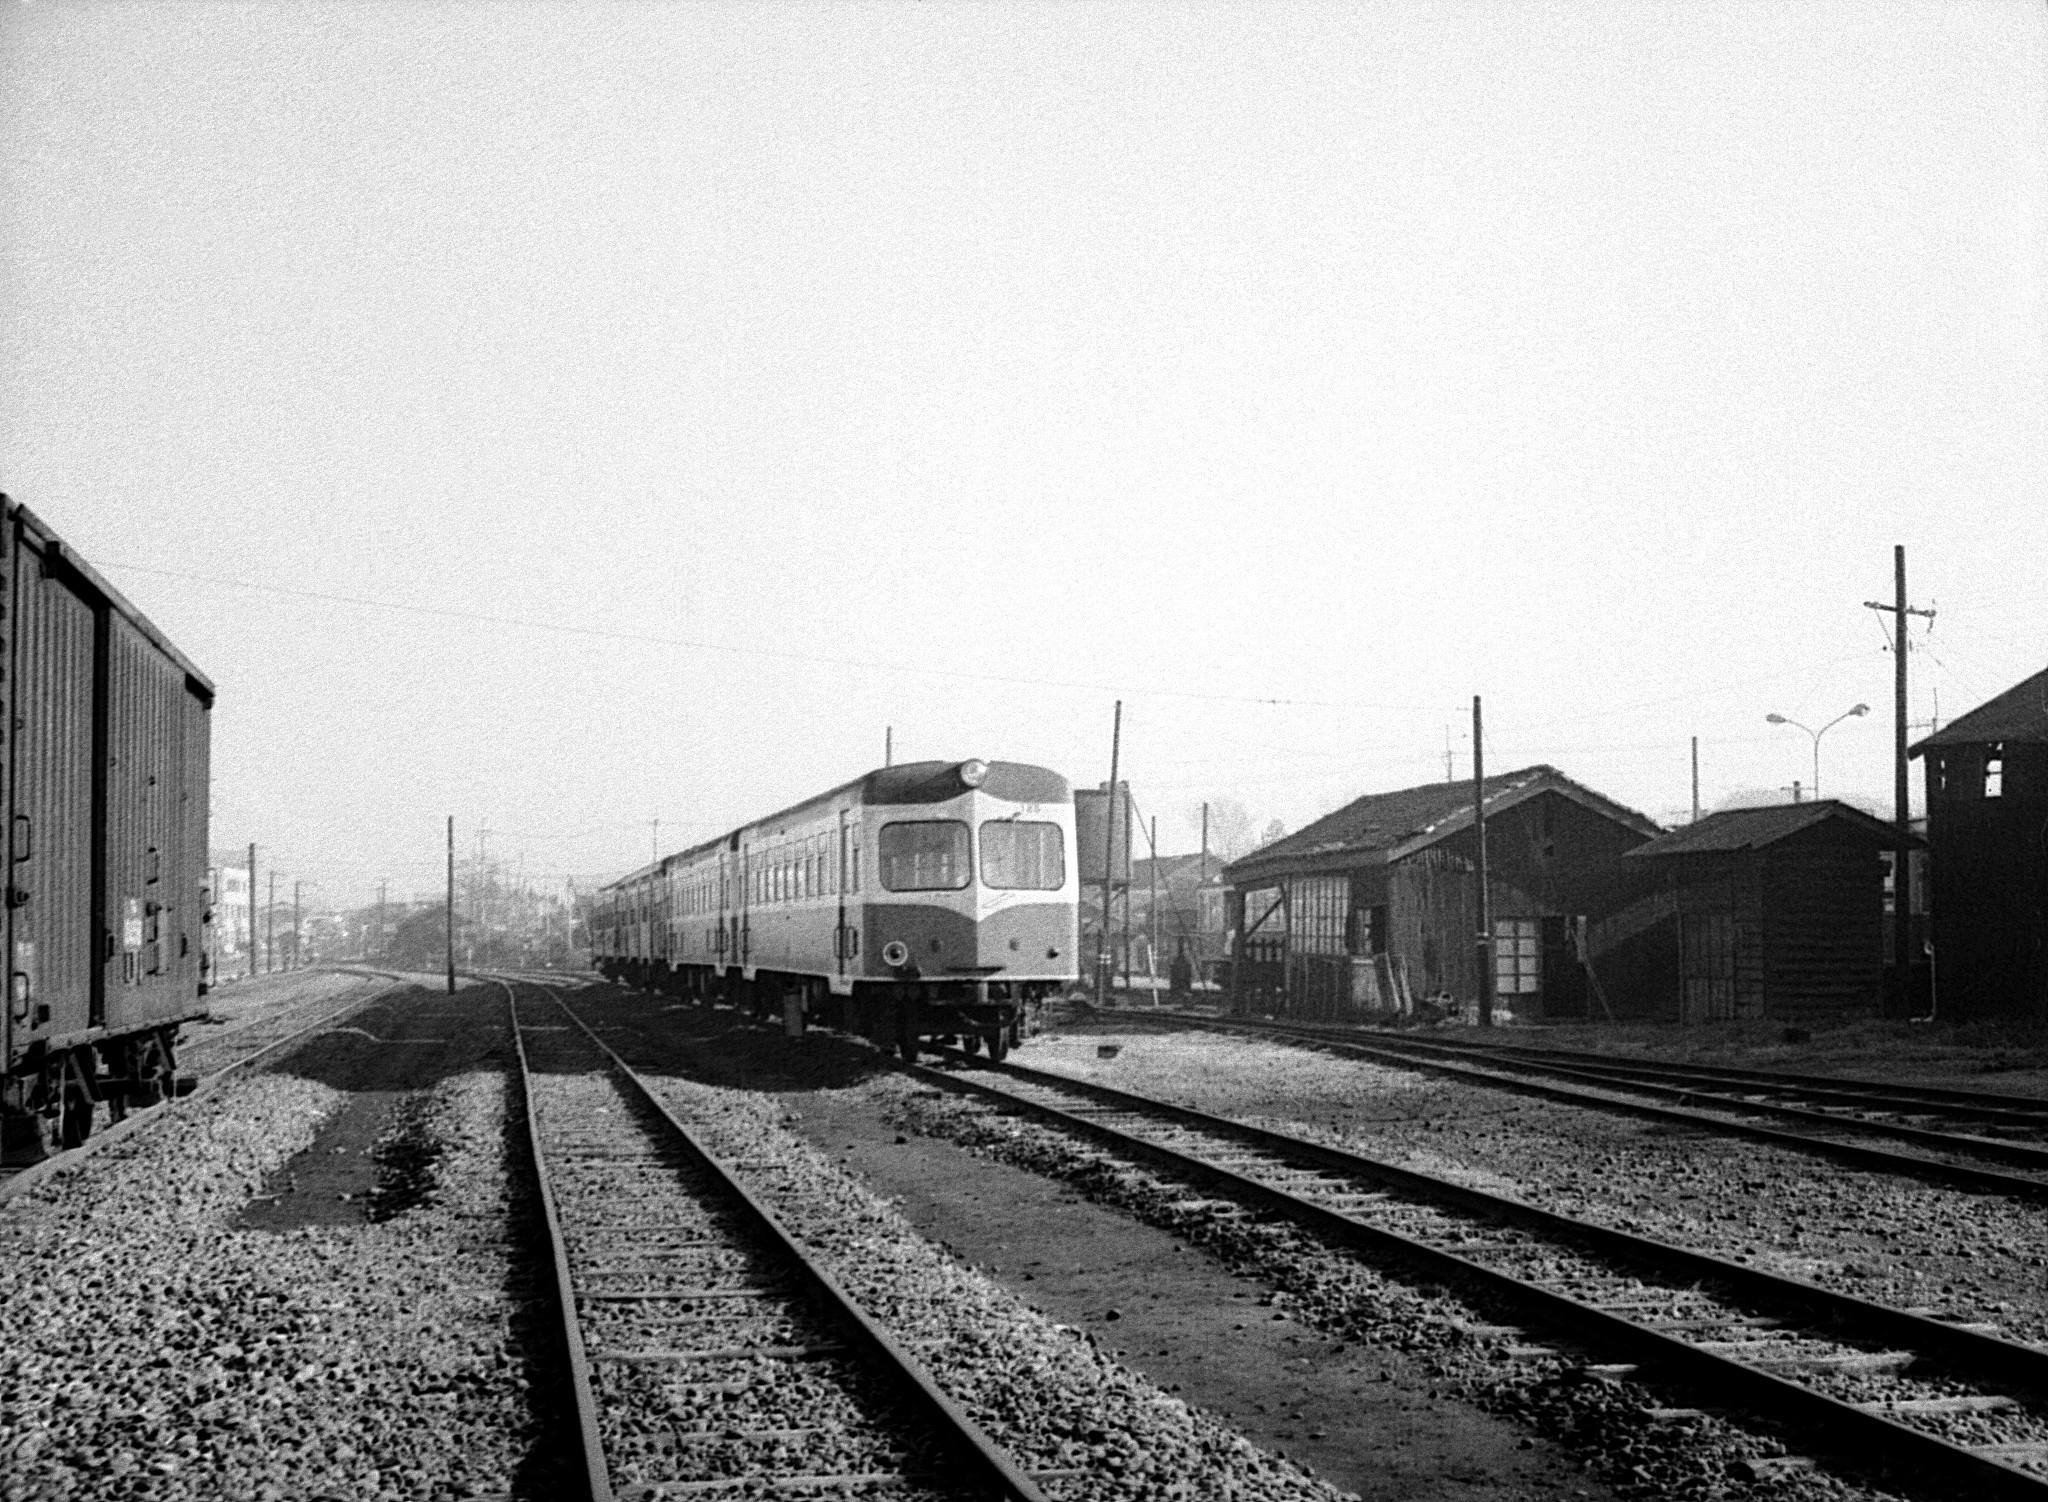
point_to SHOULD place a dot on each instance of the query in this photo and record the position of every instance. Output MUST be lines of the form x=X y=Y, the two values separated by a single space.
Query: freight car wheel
x=998 y=1043
x=77 y=1115
x=49 y=1132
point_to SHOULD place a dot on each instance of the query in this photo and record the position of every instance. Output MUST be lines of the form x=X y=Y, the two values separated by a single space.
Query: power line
x=691 y=644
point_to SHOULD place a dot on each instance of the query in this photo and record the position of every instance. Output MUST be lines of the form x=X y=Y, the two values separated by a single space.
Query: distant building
x=1987 y=856
x=230 y=929
x=1376 y=906
x=1775 y=913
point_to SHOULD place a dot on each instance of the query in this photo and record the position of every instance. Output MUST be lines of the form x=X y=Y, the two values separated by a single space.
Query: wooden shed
x=1987 y=838
x=1376 y=905
x=1774 y=913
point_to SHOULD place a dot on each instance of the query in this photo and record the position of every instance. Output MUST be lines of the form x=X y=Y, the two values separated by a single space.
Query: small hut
x=1778 y=913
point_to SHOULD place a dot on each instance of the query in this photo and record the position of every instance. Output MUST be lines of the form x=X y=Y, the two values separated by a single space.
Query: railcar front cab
x=972 y=917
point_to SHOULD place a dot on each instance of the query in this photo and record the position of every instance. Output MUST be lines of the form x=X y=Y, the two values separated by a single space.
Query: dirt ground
x=1364 y=1419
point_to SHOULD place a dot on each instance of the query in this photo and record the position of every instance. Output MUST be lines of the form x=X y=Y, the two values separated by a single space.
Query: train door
x=746 y=933
x=55 y=881
x=841 y=945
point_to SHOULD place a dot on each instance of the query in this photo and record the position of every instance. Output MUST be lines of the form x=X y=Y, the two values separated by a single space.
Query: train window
x=925 y=855
x=1021 y=855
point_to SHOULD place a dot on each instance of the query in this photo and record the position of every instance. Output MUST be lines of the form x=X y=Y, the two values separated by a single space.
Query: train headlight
x=895 y=953
x=973 y=772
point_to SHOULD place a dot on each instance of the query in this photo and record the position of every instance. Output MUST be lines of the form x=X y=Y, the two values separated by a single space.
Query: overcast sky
x=570 y=416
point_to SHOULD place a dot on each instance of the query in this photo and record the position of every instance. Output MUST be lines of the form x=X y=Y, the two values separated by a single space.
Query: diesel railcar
x=924 y=901
x=104 y=787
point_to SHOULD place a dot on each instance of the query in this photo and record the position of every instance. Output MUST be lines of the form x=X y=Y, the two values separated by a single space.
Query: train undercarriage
x=905 y=1016
x=47 y=1100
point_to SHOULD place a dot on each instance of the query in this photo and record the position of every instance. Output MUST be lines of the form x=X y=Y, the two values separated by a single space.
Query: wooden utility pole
x=1695 y=779
x=1485 y=898
x=380 y=915
x=1205 y=844
x=888 y=745
x=1152 y=887
x=1902 y=833
x=1116 y=742
x=451 y=904
x=270 y=927
x=252 y=910
x=298 y=929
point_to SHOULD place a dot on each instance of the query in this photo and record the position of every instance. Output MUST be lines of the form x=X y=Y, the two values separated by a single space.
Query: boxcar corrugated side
x=105 y=792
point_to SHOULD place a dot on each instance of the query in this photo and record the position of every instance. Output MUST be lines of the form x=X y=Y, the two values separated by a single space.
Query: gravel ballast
x=1892 y=1240
x=1045 y=1392
x=155 y=1350
x=1618 y=1427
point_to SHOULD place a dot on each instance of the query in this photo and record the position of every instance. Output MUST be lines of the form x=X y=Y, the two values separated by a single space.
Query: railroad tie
x=721 y=1353
x=1955 y=1403
x=624 y=1296
x=784 y=1483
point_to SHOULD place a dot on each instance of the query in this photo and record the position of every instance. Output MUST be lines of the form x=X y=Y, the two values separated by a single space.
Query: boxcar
x=930 y=900
x=105 y=793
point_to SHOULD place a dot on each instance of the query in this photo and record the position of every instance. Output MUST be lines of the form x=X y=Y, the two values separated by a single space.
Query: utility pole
x=1902 y=833
x=1449 y=775
x=1152 y=886
x=298 y=929
x=451 y=904
x=888 y=745
x=270 y=927
x=1116 y=742
x=656 y=844
x=1485 y=899
x=1205 y=844
x=1695 y=779
x=380 y=915
x=252 y=910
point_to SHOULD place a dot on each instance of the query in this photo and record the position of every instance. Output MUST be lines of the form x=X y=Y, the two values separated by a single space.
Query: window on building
x=1994 y=771
x=1317 y=907
x=925 y=855
x=1517 y=956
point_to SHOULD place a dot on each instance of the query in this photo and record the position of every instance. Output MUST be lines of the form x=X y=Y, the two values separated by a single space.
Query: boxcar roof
x=54 y=547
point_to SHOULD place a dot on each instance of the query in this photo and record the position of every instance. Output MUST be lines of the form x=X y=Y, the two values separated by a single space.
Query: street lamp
x=1778 y=719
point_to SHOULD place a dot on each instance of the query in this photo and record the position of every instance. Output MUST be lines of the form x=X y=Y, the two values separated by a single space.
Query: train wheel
x=971 y=1042
x=50 y=1132
x=77 y=1119
x=998 y=1043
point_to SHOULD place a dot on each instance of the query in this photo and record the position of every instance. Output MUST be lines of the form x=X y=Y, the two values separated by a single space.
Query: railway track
x=708 y=1353
x=1718 y=1107
x=1957 y=1408
x=242 y=1046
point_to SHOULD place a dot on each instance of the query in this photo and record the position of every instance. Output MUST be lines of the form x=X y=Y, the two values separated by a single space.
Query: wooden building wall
x=1988 y=874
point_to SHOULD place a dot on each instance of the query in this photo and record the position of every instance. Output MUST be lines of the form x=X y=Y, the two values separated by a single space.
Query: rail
x=1593 y=1290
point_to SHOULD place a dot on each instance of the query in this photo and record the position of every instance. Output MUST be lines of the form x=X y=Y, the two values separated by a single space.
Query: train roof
x=909 y=783
x=55 y=551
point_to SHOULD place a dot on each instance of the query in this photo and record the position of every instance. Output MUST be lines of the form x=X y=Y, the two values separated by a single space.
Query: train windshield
x=925 y=855
x=1018 y=855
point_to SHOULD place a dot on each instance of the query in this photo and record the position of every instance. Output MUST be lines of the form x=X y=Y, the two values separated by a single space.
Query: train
x=926 y=902
x=105 y=787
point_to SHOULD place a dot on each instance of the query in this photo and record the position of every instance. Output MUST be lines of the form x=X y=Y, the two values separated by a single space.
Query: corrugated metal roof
x=2018 y=714
x=1754 y=828
x=1384 y=822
